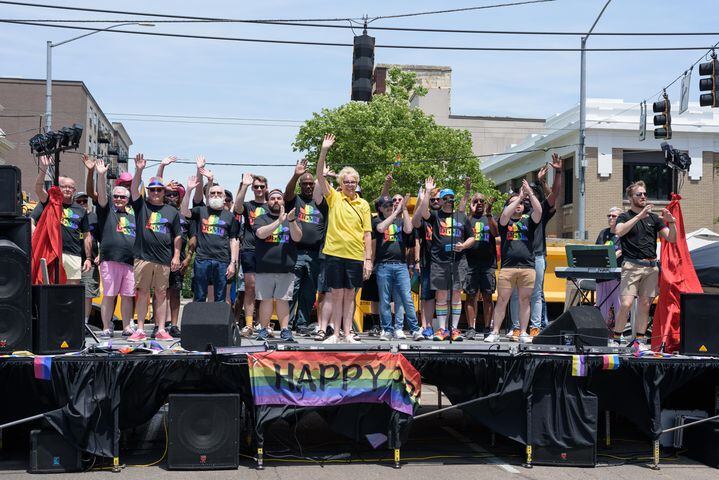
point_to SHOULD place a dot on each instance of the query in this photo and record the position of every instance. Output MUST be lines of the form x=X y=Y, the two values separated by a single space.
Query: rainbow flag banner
x=610 y=362
x=318 y=379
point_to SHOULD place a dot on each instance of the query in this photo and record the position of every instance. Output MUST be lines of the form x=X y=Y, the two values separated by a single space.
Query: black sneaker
x=470 y=334
x=262 y=335
x=286 y=335
x=329 y=331
x=174 y=330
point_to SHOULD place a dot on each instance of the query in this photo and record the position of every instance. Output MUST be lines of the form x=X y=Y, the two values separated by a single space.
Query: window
x=568 y=180
x=650 y=167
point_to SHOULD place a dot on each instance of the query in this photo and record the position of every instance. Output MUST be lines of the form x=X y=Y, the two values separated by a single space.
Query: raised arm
x=493 y=227
x=200 y=190
x=90 y=178
x=509 y=209
x=44 y=163
x=386 y=185
x=534 y=201
x=192 y=183
x=101 y=170
x=384 y=224
x=200 y=162
x=467 y=194
x=668 y=234
x=557 y=183
x=295 y=229
x=240 y=197
x=406 y=220
x=300 y=169
x=327 y=143
x=422 y=211
x=140 y=164
x=623 y=228
x=165 y=162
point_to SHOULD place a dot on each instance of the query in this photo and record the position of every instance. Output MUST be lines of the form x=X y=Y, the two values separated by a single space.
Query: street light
x=48 y=81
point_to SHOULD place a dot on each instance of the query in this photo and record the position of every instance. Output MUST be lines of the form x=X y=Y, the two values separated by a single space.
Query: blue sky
x=148 y=75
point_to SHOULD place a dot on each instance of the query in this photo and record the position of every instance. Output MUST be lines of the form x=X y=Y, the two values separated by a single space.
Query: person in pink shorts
x=116 y=230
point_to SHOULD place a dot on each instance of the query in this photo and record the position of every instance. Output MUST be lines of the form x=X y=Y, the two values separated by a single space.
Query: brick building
x=72 y=102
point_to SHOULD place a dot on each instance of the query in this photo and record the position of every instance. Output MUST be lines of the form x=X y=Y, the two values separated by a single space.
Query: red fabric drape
x=47 y=239
x=678 y=276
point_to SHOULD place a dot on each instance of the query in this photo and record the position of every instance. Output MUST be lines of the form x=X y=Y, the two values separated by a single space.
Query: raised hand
x=556 y=161
x=200 y=161
x=100 y=167
x=301 y=167
x=89 y=162
x=140 y=162
x=207 y=174
x=168 y=160
x=467 y=183
x=283 y=215
x=247 y=179
x=645 y=212
x=429 y=185
x=329 y=172
x=172 y=185
x=667 y=216
x=328 y=141
x=290 y=215
x=405 y=201
x=192 y=182
x=526 y=188
x=542 y=173
x=388 y=179
x=46 y=161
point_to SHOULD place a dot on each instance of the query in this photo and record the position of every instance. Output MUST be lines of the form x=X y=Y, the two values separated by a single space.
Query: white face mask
x=216 y=203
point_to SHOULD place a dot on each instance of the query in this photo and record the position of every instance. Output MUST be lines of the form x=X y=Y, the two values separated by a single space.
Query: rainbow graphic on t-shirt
x=481 y=232
x=518 y=229
x=125 y=227
x=157 y=223
x=213 y=225
x=448 y=226
x=428 y=232
x=253 y=214
x=392 y=234
x=309 y=214
x=279 y=235
x=70 y=219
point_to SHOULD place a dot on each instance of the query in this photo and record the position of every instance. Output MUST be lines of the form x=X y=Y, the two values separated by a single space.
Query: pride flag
x=42 y=367
x=610 y=362
x=579 y=365
x=334 y=378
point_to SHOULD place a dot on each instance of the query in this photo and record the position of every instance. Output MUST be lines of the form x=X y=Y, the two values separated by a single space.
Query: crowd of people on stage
x=295 y=248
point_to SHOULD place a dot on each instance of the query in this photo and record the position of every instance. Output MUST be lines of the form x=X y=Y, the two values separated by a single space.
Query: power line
x=455 y=10
x=331 y=44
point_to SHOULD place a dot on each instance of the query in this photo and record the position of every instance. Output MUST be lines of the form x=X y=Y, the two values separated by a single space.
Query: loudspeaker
x=15 y=300
x=51 y=453
x=10 y=191
x=584 y=325
x=203 y=431
x=545 y=449
x=699 y=334
x=59 y=319
x=206 y=324
x=702 y=442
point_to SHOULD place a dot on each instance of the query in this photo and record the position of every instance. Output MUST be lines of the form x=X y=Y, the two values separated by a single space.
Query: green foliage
x=386 y=136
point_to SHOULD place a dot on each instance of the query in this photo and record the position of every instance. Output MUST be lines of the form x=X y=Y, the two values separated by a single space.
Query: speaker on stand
x=59 y=320
x=584 y=325
x=208 y=325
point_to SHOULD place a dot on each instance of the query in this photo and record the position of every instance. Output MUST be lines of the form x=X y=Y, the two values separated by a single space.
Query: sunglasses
x=448 y=199
x=350 y=182
x=217 y=194
x=434 y=199
x=396 y=200
x=156 y=189
x=640 y=194
x=259 y=187
x=228 y=200
x=172 y=194
x=119 y=197
x=81 y=201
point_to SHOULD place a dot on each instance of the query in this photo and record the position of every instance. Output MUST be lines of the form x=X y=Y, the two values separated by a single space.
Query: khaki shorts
x=72 y=265
x=278 y=286
x=510 y=278
x=151 y=275
x=639 y=281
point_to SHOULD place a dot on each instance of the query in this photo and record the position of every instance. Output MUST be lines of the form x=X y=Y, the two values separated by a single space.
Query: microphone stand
x=451 y=274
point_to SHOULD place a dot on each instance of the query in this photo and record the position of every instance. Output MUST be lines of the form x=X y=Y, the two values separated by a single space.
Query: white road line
x=491 y=459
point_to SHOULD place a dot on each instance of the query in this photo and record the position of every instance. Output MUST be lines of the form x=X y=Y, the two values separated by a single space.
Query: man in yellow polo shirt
x=348 y=243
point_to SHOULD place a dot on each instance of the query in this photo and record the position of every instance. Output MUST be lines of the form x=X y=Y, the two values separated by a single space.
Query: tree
x=386 y=136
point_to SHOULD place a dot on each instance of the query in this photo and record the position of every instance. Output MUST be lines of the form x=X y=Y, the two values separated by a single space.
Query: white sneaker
x=332 y=339
x=612 y=343
x=492 y=338
x=642 y=345
x=525 y=338
x=417 y=336
x=399 y=334
x=385 y=336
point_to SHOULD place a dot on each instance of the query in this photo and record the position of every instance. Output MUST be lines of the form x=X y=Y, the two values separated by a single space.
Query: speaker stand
x=92 y=334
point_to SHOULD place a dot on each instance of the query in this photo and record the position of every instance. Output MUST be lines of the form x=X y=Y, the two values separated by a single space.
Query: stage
x=552 y=399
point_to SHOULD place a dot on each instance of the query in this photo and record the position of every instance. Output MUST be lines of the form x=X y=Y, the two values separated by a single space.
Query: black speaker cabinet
x=698 y=324
x=583 y=324
x=580 y=450
x=207 y=324
x=51 y=453
x=15 y=300
x=203 y=431
x=10 y=191
x=58 y=312
x=702 y=442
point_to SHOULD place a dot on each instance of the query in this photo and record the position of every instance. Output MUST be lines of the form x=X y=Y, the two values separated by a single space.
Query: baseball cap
x=381 y=201
x=80 y=194
x=125 y=177
x=445 y=192
x=155 y=182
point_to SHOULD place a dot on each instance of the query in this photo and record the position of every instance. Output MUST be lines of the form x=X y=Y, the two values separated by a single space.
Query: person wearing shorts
x=423 y=237
x=516 y=233
x=277 y=235
x=639 y=230
x=157 y=249
x=117 y=230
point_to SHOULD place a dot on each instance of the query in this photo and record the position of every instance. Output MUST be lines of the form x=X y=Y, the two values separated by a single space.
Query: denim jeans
x=393 y=282
x=538 y=307
x=204 y=270
x=307 y=270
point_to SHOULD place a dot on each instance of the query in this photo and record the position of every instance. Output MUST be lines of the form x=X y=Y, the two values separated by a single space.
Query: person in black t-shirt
x=90 y=277
x=312 y=217
x=250 y=211
x=74 y=223
x=392 y=236
x=608 y=290
x=639 y=228
x=451 y=234
x=157 y=249
x=481 y=264
x=117 y=229
x=423 y=237
x=277 y=235
x=218 y=247
x=516 y=233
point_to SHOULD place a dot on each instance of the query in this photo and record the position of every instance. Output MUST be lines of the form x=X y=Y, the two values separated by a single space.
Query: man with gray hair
x=116 y=231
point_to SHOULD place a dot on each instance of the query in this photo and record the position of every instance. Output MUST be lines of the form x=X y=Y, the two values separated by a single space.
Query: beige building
x=72 y=102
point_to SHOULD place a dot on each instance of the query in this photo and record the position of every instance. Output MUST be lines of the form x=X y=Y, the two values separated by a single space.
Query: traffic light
x=362 y=67
x=709 y=84
x=662 y=118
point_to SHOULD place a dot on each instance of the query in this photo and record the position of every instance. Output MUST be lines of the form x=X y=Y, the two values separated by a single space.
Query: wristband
x=292 y=220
